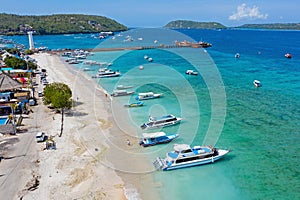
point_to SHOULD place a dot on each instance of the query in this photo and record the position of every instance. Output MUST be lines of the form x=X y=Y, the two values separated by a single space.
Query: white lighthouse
x=30 y=38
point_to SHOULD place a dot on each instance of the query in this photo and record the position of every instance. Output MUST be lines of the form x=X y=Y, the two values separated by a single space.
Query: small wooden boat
x=135 y=104
x=117 y=93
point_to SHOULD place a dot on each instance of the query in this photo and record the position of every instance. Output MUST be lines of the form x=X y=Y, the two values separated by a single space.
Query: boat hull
x=146 y=126
x=121 y=94
x=132 y=105
x=147 y=98
x=167 y=140
x=163 y=166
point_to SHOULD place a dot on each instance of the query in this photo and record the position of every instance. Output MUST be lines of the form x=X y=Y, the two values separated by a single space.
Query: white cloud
x=244 y=12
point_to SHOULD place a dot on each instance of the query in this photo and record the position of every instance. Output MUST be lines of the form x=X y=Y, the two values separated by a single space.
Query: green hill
x=283 y=26
x=193 y=25
x=57 y=24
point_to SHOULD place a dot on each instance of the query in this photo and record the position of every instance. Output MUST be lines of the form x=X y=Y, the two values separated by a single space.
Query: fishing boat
x=257 y=83
x=135 y=104
x=185 y=156
x=191 y=72
x=147 y=95
x=151 y=139
x=117 y=93
x=158 y=122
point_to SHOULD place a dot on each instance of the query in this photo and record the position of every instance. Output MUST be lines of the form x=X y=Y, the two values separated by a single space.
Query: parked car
x=40 y=137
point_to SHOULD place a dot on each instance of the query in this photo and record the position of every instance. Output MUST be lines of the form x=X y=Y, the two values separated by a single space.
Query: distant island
x=279 y=26
x=57 y=24
x=184 y=24
x=178 y=24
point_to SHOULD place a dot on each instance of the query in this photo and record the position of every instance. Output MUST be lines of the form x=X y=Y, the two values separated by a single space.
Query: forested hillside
x=57 y=24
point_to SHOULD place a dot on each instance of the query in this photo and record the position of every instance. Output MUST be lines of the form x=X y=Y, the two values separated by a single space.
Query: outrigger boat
x=151 y=139
x=117 y=93
x=185 y=156
x=158 y=122
x=135 y=104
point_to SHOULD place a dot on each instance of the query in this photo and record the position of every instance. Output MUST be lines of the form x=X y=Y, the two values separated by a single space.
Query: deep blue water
x=261 y=125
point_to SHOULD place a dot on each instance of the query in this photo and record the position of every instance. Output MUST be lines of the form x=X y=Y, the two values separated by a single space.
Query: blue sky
x=157 y=13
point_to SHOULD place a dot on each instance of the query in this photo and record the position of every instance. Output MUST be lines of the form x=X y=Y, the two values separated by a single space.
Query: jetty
x=183 y=44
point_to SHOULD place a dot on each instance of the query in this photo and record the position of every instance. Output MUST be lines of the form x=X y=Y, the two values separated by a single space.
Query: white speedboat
x=158 y=122
x=122 y=87
x=151 y=139
x=117 y=93
x=147 y=95
x=257 y=83
x=185 y=156
x=107 y=74
x=191 y=72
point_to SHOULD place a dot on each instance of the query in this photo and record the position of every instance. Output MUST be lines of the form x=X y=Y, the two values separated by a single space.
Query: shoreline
x=100 y=148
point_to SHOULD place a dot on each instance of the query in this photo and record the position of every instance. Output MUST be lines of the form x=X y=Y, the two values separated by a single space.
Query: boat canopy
x=146 y=94
x=170 y=116
x=153 y=135
x=181 y=147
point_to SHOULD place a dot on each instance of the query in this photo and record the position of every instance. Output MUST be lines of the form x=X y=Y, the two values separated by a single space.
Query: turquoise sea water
x=260 y=125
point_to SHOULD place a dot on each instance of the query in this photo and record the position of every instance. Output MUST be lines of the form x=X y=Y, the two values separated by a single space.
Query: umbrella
x=8 y=83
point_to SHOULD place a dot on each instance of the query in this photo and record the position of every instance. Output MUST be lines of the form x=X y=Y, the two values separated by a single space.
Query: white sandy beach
x=73 y=171
x=92 y=160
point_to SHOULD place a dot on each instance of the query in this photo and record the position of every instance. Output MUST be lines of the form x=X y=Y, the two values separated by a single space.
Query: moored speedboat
x=158 y=122
x=288 y=55
x=117 y=93
x=122 y=87
x=257 y=83
x=151 y=139
x=185 y=156
x=135 y=104
x=107 y=73
x=147 y=95
x=191 y=72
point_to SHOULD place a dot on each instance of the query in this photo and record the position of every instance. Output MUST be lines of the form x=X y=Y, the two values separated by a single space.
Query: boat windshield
x=173 y=154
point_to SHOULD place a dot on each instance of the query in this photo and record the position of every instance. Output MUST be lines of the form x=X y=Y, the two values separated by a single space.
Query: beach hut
x=8 y=83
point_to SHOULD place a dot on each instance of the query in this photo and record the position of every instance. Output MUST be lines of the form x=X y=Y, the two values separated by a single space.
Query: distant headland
x=183 y=24
x=56 y=24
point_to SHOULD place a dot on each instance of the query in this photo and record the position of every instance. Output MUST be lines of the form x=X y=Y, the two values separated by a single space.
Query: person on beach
x=128 y=142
